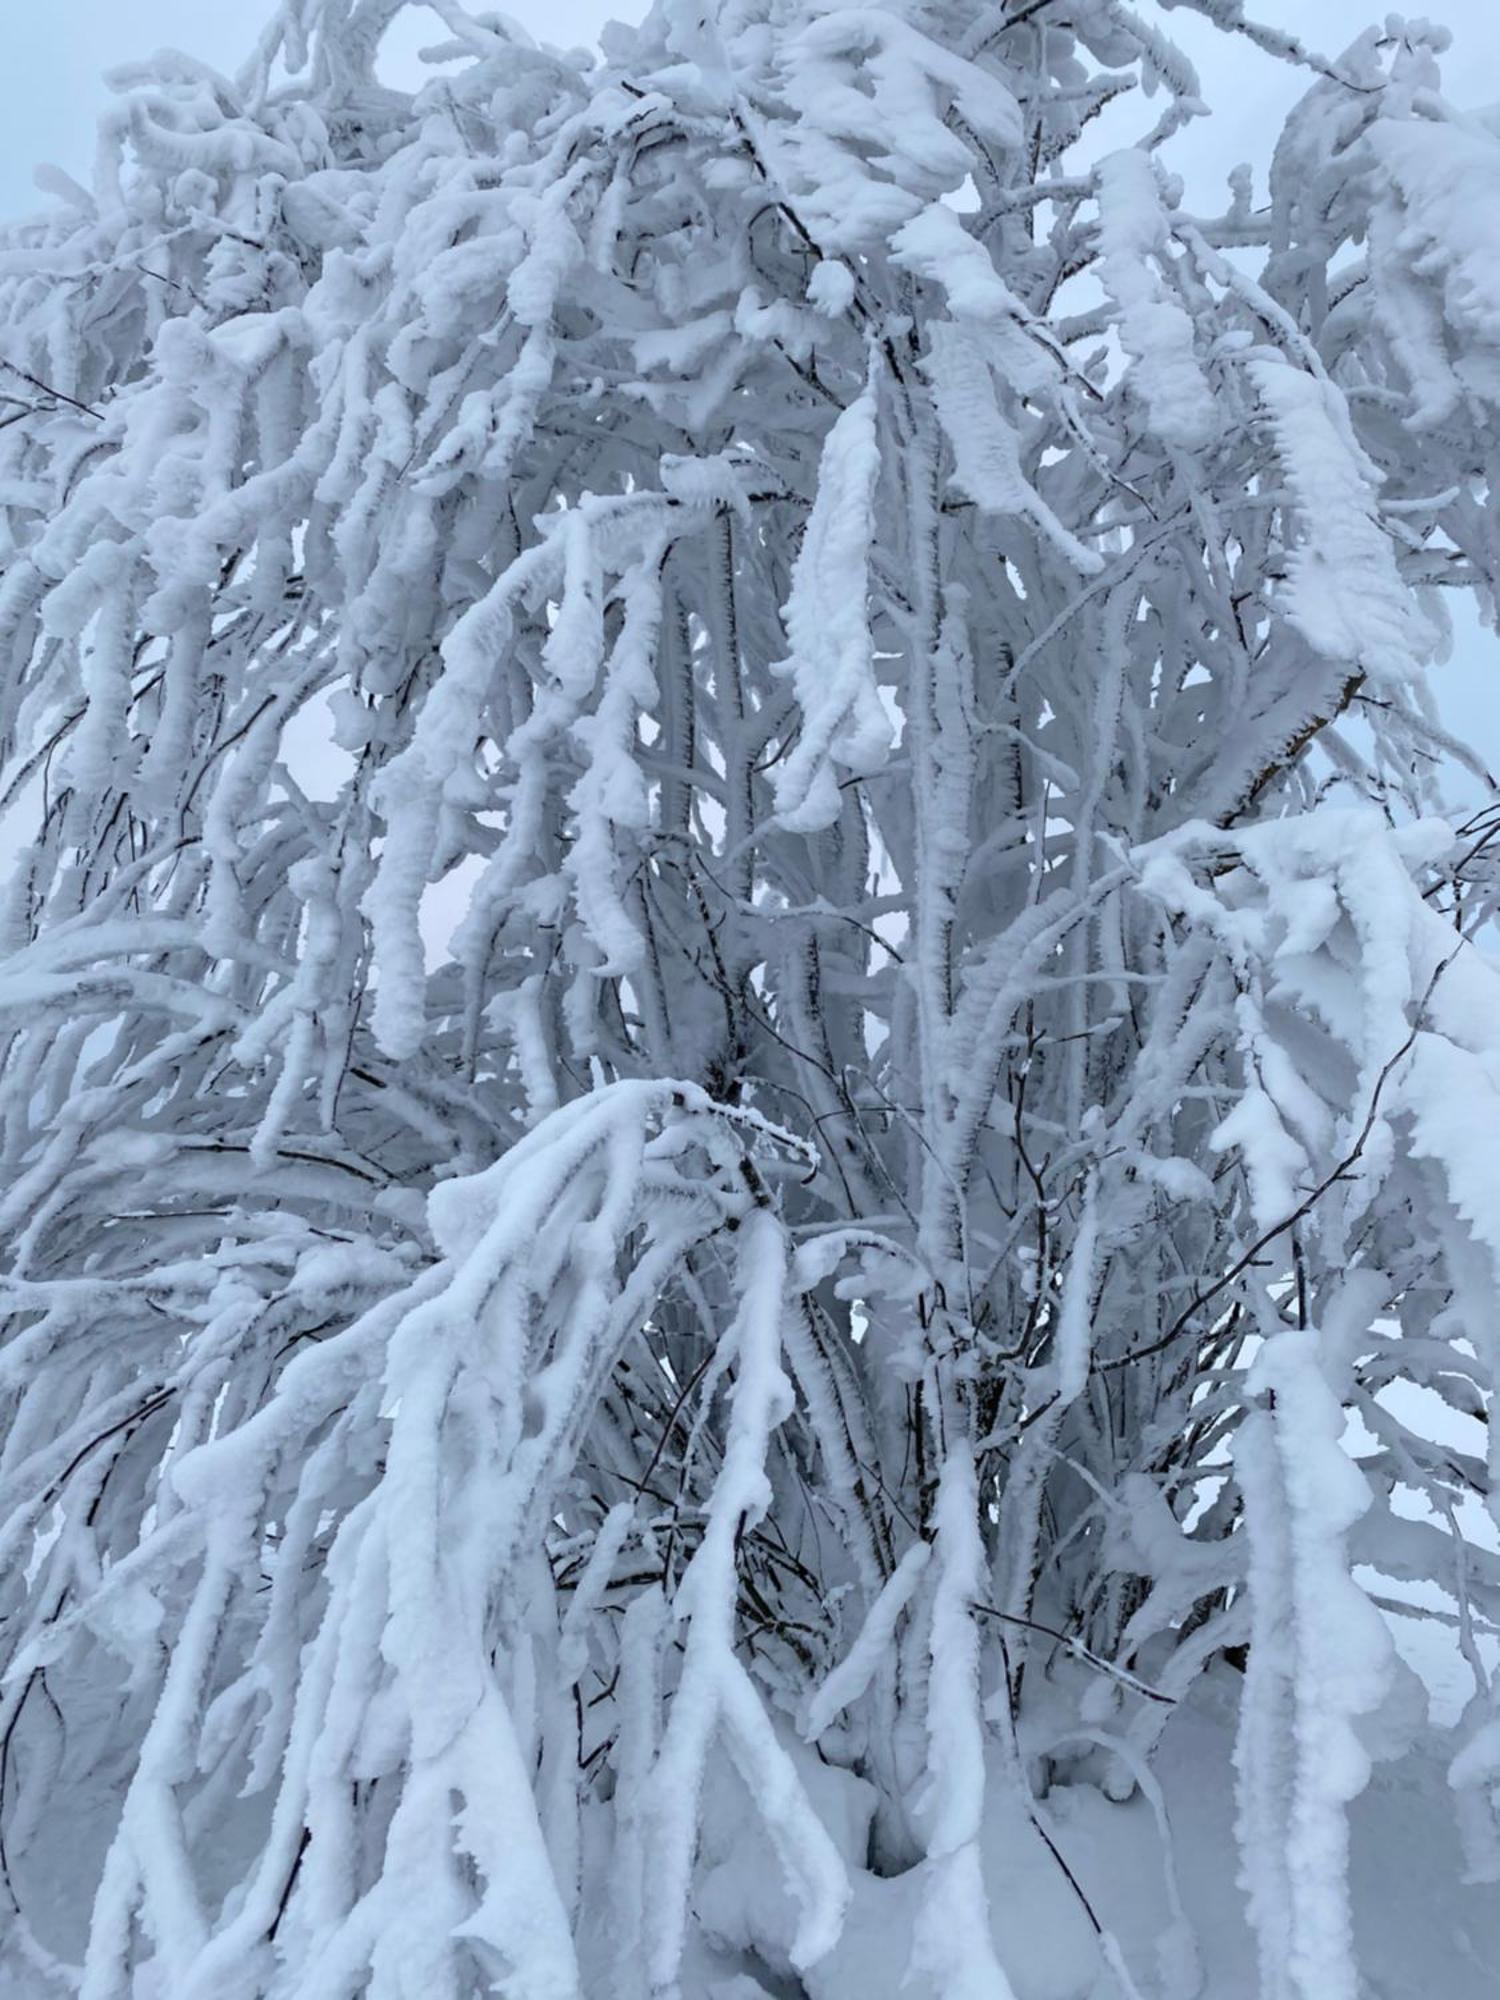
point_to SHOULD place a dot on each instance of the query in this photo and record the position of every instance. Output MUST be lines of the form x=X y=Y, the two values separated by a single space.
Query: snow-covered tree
x=747 y=1091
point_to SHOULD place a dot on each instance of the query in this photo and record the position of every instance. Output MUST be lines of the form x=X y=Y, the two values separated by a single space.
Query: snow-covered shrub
x=736 y=1015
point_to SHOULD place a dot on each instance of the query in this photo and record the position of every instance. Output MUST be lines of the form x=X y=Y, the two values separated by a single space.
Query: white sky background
x=54 y=56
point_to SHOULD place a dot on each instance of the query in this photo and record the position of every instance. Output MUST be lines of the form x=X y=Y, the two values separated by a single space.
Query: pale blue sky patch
x=56 y=56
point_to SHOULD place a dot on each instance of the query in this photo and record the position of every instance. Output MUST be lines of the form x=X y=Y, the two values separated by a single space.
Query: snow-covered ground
x=1421 y=1929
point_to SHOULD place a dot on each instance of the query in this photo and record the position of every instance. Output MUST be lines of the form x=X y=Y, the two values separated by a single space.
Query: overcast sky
x=57 y=53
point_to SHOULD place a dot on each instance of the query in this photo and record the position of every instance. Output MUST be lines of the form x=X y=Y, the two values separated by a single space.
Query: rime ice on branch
x=736 y=1008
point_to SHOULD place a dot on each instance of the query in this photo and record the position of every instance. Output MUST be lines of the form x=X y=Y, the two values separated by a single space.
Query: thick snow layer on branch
x=954 y=1945
x=986 y=455
x=874 y=135
x=1435 y=245
x=715 y=1693
x=1321 y=1658
x=1342 y=588
x=831 y=665
x=1155 y=329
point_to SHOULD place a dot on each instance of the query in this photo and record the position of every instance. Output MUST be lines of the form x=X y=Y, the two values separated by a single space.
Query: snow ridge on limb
x=831 y=665
x=714 y=1693
x=954 y=1945
x=877 y=101
x=986 y=456
x=1321 y=1659
x=1157 y=332
x=1434 y=245
x=1343 y=589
